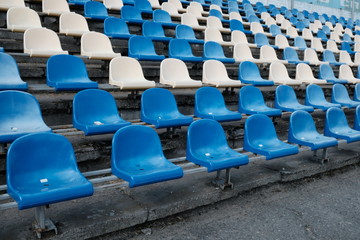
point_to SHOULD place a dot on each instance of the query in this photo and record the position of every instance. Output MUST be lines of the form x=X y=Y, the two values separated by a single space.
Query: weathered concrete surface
x=113 y=210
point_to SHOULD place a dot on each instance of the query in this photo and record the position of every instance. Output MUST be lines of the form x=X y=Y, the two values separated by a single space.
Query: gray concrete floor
x=326 y=207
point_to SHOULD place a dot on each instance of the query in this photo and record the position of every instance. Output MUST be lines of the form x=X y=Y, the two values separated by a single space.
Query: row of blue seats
x=95 y=111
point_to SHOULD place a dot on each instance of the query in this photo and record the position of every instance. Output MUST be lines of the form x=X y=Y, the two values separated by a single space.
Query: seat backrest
x=209 y=100
x=345 y=72
x=339 y=92
x=215 y=13
x=197 y=5
x=335 y=36
x=125 y=69
x=292 y=32
x=301 y=124
x=274 y=29
x=250 y=97
x=335 y=119
x=321 y=34
x=303 y=72
x=214 y=70
x=141 y=45
x=268 y=53
x=7 y=4
x=213 y=34
x=300 y=26
x=314 y=93
x=143 y=5
x=22 y=18
x=161 y=16
x=326 y=29
x=253 y=135
x=49 y=6
x=278 y=71
x=300 y=43
x=176 y=3
x=216 y=7
x=261 y=39
x=356 y=46
x=194 y=11
x=281 y=41
x=130 y=12
x=307 y=34
x=41 y=38
x=236 y=25
x=256 y=27
x=310 y=55
x=264 y=15
x=285 y=95
x=95 y=9
x=332 y=46
x=326 y=72
x=346 y=38
x=152 y=29
x=213 y=50
x=317 y=44
x=96 y=42
x=72 y=22
x=184 y=32
x=235 y=16
x=242 y=52
x=173 y=70
x=345 y=58
x=113 y=25
x=213 y=22
x=189 y=19
x=170 y=8
x=238 y=37
x=180 y=48
x=113 y=4
x=328 y=56
x=249 y=71
x=9 y=69
x=290 y=54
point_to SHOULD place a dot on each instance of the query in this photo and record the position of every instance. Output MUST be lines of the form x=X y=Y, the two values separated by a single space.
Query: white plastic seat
x=177 y=4
x=237 y=16
x=349 y=32
x=282 y=42
x=329 y=24
x=174 y=72
x=117 y=4
x=318 y=24
x=332 y=46
x=213 y=34
x=311 y=56
x=191 y=21
x=279 y=74
x=20 y=19
x=217 y=7
x=270 y=21
x=307 y=34
x=345 y=72
x=357 y=28
x=96 y=45
x=317 y=44
x=256 y=27
x=357 y=38
x=242 y=52
x=197 y=5
x=214 y=73
x=357 y=47
x=240 y=37
x=346 y=58
x=279 y=18
x=42 y=42
x=335 y=36
x=126 y=72
x=313 y=27
x=268 y=54
x=7 y=4
x=285 y=24
x=214 y=22
x=292 y=32
x=305 y=75
x=357 y=59
x=196 y=12
x=55 y=7
x=265 y=15
x=339 y=27
x=171 y=9
x=73 y=24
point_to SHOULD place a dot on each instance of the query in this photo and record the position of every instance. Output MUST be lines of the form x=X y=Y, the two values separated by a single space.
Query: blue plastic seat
x=95 y=10
x=328 y=56
x=306 y=22
x=78 y=2
x=336 y=125
x=300 y=17
x=311 y=17
x=300 y=43
x=357 y=91
x=67 y=72
x=137 y=157
x=322 y=19
x=274 y=30
x=251 y=101
x=10 y=77
x=285 y=99
x=164 y=18
x=237 y=25
x=218 y=14
x=210 y=104
x=315 y=97
x=275 y=12
x=357 y=119
x=207 y=146
x=347 y=47
x=233 y=5
x=293 y=20
x=213 y=50
x=95 y=112
x=288 y=14
x=187 y=33
x=326 y=73
x=302 y=131
x=132 y=15
x=158 y=107
x=249 y=73
x=20 y=114
x=263 y=140
x=300 y=25
x=346 y=38
x=322 y=35
x=142 y=48
x=116 y=28
x=253 y=18
x=326 y=30
x=41 y=169
x=341 y=96
x=154 y=31
x=217 y=2
x=291 y=56
x=260 y=40
x=181 y=49
x=144 y=6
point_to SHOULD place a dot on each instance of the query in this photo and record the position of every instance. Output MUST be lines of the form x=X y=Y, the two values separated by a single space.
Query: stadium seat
x=292 y=32
x=78 y=2
x=328 y=56
x=334 y=36
x=317 y=44
x=291 y=56
x=19 y=19
x=336 y=125
x=126 y=72
x=345 y=57
x=7 y=4
x=213 y=34
x=251 y=101
x=346 y=38
x=300 y=25
x=218 y=14
x=210 y=104
x=158 y=107
x=345 y=72
x=242 y=52
x=154 y=31
x=34 y=181
x=256 y=27
x=10 y=77
x=181 y=49
x=174 y=72
x=196 y=12
x=144 y=6
x=171 y=9
x=214 y=73
x=164 y=18
x=214 y=22
x=285 y=100
x=281 y=42
x=96 y=45
x=326 y=72
x=115 y=5
x=95 y=10
x=67 y=72
x=274 y=30
x=42 y=42
x=213 y=50
x=116 y=28
x=307 y=34
x=155 y=4
x=24 y=119
x=347 y=47
x=340 y=95
x=315 y=97
x=357 y=92
x=73 y=24
x=264 y=140
x=187 y=33
x=191 y=21
x=279 y=74
x=311 y=56
x=300 y=43
x=332 y=46
x=207 y=146
x=260 y=39
x=305 y=74
x=177 y=4
x=268 y=54
x=55 y=7
x=249 y=73
x=141 y=167
x=302 y=131
x=240 y=37
x=95 y=112
x=236 y=25
x=142 y=48
x=132 y=15
x=357 y=119
x=322 y=35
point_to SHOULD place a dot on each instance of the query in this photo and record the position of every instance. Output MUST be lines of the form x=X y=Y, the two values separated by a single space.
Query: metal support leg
x=221 y=182
x=324 y=157
x=42 y=223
